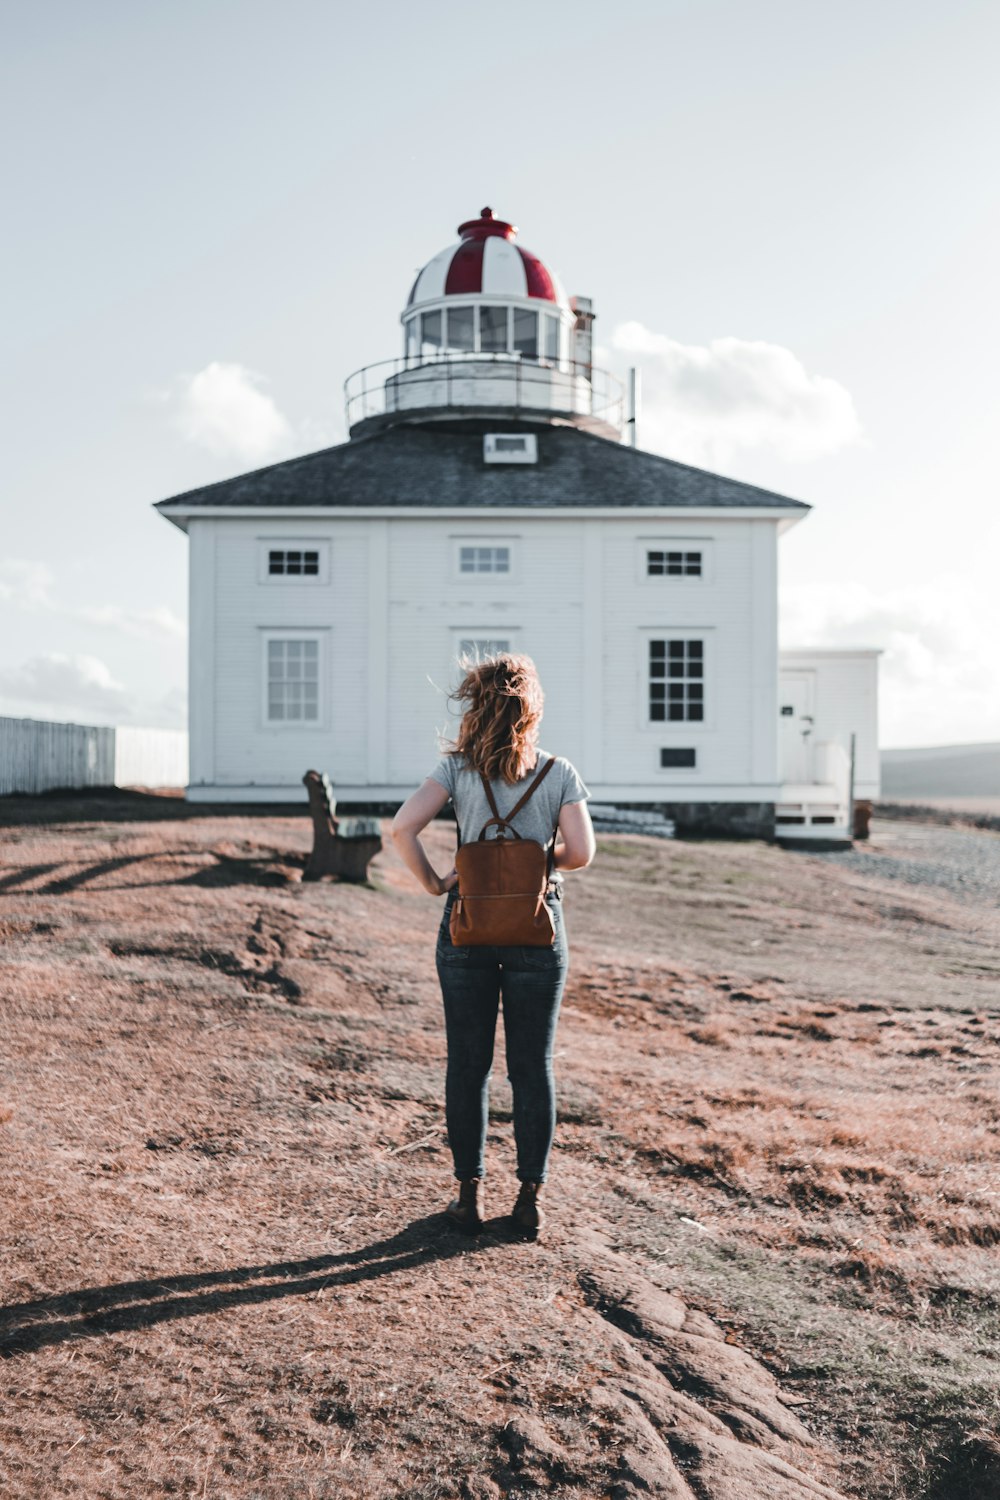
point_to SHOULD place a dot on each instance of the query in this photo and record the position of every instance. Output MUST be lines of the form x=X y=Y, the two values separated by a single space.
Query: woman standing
x=498 y=740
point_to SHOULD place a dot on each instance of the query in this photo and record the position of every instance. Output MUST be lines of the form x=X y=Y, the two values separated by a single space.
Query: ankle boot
x=468 y=1210
x=527 y=1213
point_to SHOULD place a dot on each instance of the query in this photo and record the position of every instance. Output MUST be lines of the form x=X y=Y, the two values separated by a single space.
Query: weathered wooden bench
x=344 y=847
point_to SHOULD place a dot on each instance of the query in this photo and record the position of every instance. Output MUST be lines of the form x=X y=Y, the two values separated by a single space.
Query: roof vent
x=510 y=448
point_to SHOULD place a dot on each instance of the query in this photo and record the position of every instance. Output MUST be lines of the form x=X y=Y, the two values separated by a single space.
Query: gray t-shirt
x=539 y=815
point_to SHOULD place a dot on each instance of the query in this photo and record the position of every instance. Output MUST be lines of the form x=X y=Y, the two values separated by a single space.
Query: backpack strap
x=534 y=785
x=505 y=822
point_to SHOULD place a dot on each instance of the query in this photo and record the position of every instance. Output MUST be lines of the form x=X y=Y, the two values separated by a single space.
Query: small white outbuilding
x=828 y=739
x=485 y=501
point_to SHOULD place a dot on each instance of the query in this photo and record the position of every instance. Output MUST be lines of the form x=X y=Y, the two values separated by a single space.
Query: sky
x=786 y=212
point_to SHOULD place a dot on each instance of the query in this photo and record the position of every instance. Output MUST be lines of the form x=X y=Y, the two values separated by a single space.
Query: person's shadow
x=130 y=1305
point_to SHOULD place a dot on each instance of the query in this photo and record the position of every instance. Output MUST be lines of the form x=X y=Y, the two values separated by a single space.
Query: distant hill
x=942 y=771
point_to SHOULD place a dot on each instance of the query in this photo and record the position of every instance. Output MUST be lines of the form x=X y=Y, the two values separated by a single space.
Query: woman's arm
x=578 y=846
x=414 y=815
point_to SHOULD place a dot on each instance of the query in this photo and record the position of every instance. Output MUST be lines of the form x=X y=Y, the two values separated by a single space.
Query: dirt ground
x=774 y=1199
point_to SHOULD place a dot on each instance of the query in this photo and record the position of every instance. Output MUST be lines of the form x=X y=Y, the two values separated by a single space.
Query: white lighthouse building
x=485 y=501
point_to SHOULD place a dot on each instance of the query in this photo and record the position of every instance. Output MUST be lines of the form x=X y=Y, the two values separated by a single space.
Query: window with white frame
x=475 y=558
x=292 y=679
x=293 y=559
x=687 y=561
x=676 y=679
x=480 y=646
x=510 y=448
x=673 y=562
x=293 y=562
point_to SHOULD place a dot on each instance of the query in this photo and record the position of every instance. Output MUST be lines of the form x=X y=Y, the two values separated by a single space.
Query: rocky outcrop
x=698 y=1417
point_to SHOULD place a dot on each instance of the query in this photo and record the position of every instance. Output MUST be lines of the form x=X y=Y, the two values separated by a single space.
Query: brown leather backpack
x=502 y=882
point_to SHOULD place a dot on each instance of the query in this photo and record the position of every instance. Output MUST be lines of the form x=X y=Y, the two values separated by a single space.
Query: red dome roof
x=486 y=261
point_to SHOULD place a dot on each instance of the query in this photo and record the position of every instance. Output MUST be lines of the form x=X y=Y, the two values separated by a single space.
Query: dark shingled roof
x=440 y=464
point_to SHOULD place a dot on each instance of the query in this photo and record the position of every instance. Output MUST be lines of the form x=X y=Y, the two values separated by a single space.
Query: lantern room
x=488 y=295
x=488 y=330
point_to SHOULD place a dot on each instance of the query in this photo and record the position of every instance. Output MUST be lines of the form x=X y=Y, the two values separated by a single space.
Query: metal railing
x=462 y=379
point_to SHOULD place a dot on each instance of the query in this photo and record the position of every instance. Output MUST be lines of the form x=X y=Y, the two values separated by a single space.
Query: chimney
x=632 y=411
x=583 y=333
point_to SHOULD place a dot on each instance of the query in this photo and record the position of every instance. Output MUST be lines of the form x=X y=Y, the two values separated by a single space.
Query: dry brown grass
x=226 y=1272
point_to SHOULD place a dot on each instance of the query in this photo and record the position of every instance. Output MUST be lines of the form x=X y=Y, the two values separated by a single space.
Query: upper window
x=292 y=680
x=489 y=556
x=677 y=680
x=675 y=564
x=685 y=560
x=292 y=561
x=475 y=559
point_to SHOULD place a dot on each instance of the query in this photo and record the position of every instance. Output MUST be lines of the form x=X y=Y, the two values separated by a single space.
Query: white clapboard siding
x=38 y=756
x=390 y=606
x=732 y=609
x=229 y=640
x=538 y=607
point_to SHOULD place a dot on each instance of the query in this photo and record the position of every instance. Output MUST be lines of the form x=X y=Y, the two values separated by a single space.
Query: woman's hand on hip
x=445 y=883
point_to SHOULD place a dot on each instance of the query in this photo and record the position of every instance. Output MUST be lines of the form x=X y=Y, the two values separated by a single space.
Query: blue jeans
x=531 y=981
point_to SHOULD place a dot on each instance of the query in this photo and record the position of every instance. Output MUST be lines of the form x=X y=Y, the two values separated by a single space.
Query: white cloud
x=159 y=621
x=939 y=677
x=26 y=583
x=30 y=585
x=225 y=409
x=62 y=683
x=703 y=403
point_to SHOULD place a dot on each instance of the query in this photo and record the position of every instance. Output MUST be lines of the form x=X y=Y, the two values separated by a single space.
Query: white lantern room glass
x=551 y=336
x=493 y=329
x=430 y=332
x=460 y=326
x=526 y=332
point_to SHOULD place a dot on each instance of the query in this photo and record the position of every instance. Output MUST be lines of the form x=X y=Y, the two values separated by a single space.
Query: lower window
x=676 y=681
x=292 y=679
x=674 y=756
x=479 y=646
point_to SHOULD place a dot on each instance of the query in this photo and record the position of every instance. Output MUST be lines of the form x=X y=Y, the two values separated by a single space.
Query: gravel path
x=963 y=861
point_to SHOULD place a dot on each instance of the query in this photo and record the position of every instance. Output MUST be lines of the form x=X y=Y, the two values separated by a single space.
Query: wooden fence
x=37 y=756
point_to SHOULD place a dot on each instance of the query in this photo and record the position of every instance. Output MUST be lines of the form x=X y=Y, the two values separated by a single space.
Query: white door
x=796 y=697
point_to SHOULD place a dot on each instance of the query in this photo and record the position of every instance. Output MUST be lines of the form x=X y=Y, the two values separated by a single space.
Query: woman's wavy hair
x=499 y=727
